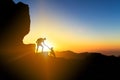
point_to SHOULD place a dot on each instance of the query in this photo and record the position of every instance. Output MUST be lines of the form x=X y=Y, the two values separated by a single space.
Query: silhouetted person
x=52 y=52
x=39 y=43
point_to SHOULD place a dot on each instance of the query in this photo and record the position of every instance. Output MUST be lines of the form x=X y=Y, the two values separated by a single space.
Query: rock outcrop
x=14 y=25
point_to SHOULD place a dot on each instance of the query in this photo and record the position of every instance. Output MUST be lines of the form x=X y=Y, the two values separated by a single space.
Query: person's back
x=39 y=41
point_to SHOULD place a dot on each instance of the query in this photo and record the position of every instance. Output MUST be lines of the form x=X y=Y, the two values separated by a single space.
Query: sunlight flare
x=46 y=47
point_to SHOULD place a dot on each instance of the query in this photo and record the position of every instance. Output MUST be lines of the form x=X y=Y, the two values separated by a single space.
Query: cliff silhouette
x=19 y=62
x=14 y=25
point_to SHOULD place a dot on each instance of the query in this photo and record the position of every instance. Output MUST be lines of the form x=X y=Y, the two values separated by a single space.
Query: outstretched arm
x=46 y=45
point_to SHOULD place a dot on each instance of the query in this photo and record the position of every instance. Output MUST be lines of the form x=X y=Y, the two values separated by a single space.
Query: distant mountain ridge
x=72 y=55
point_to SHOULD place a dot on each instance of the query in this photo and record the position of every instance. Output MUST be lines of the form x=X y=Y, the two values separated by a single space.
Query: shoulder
x=40 y=39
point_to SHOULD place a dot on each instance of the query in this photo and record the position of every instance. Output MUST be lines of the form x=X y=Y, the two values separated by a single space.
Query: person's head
x=44 y=38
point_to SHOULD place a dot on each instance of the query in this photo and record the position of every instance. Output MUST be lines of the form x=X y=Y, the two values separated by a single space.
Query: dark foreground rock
x=40 y=67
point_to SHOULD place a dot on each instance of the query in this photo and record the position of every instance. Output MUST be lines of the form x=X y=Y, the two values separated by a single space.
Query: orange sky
x=62 y=38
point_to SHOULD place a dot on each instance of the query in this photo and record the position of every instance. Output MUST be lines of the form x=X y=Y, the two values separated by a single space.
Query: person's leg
x=54 y=54
x=37 y=49
x=42 y=48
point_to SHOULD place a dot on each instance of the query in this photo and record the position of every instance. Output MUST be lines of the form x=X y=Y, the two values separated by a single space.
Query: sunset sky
x=77 y=25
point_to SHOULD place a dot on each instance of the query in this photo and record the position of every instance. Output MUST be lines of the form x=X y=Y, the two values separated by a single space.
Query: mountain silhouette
x=90 y=66
x=19 y=62
x=71 y=55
